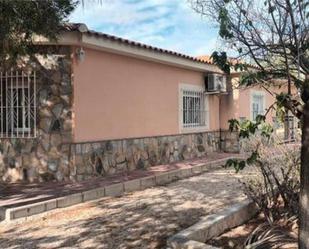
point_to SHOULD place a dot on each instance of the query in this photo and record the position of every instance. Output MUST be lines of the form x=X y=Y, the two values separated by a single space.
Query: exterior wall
x=122 y=114
x=126 y=116
x=120 y=97
x=114 y=156
x=237 y=104
x=45 y=157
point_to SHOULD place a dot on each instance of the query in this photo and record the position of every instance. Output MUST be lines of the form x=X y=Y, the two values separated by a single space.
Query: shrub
x=275 y=189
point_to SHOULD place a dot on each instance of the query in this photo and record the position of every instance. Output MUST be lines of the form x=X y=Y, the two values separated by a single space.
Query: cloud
x=168 y=24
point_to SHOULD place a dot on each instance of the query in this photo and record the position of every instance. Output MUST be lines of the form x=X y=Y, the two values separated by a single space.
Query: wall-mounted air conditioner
x=215 y=82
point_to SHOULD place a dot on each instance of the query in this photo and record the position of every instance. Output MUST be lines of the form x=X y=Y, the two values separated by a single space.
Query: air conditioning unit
x=215 y=82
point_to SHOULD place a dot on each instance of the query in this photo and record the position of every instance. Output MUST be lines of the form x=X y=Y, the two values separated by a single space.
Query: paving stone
x=69 y=200
x=215 y=224
x=197 y=169
x=184 y=173
x=90 y=195
x=36 y=209
x=25 y=211
x=162 y=179
x=175 y=175
x=51 y=204
x=132 y=185
x=148 y=182
x=16 y=213
x=114 y=190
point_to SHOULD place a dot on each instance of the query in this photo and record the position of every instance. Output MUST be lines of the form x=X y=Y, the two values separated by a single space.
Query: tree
x=20 y=20
x=274 y=35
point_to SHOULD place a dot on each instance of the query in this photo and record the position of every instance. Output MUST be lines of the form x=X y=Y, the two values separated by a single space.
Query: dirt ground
x=236 y=237
x=143 y=219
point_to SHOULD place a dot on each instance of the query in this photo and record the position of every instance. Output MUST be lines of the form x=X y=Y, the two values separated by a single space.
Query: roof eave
x=99 y=43
x=103 y=44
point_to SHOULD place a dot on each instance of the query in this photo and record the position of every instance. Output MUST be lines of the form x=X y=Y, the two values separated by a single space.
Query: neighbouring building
x=97 y=104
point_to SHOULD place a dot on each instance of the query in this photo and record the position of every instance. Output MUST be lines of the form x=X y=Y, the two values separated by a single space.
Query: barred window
x=194 y=112
x=17 y=104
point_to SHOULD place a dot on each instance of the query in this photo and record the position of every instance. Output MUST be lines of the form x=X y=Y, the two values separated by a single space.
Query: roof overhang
x=84 y=39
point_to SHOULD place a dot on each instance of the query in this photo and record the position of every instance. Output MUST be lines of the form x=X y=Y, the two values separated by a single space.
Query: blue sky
x=169 y=24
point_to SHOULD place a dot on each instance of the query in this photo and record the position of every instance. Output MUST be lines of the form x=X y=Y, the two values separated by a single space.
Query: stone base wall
x=230 y=142
x=109 y=157
x=45 y=157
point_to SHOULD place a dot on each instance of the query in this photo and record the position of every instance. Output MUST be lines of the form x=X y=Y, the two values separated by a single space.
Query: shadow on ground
x=144 y=219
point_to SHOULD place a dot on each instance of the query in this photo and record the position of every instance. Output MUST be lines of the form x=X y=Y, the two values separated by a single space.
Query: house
x=98 y=104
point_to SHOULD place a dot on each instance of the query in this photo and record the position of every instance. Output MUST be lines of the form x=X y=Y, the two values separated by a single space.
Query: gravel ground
x=143 y=219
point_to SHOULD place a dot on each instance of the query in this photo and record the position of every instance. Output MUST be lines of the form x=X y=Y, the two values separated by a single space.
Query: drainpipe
x=219 y=120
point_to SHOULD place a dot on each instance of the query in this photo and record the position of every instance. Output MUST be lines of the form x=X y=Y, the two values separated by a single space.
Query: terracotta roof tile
x=80 y=27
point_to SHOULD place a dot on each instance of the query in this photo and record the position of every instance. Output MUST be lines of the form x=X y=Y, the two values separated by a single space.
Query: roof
x=80 y=27
x=78 y=34
x=233 y=61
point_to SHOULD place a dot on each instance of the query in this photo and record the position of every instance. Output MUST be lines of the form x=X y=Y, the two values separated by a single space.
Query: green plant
x=22 y=20
x=271 y=236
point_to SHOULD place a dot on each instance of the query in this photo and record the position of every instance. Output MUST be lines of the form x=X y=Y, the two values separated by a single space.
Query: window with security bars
x=257 y=105
x=17 y=104
x=193 y=109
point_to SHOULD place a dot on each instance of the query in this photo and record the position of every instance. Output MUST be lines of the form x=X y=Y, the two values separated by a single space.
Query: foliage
x=21 y=20
x=274 y=236
x=271 y=34
x=246 y=129
x=275 y=189
x=274 y=36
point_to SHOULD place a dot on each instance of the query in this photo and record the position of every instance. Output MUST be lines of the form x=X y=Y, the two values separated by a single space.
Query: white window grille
x=257 y=105
x=17 y=104
x=194 y=109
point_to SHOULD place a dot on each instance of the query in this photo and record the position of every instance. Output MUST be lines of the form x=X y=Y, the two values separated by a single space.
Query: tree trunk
x=303 y=241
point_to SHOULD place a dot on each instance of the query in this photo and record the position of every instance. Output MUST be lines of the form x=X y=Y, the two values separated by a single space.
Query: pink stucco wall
x=118 y=96
x=238 y=103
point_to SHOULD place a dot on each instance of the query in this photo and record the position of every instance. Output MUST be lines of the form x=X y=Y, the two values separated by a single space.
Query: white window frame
x=254 y=93
x=188 y=87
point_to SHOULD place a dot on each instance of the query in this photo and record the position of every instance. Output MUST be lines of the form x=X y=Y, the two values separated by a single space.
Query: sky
x=168 y=24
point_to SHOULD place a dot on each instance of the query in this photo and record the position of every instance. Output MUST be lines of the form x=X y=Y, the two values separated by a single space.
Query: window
x=17 y=104
x=290 y=133
x=257 y=104
x=193 y=108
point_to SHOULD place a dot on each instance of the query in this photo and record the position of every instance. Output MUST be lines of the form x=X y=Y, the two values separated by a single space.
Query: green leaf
x=221 y=60
x=225 y=27
x=21 y=20
x=266 y=130
x=236 y=164
x=253 y=158
x=234 y=125
x=260 y=119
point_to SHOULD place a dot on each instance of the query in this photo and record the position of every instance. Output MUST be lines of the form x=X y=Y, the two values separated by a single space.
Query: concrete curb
x=113 y=190
x=213 y=225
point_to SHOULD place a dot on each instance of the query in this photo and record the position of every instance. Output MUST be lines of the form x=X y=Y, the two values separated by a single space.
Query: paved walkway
x=12 y=195
x=143 y=219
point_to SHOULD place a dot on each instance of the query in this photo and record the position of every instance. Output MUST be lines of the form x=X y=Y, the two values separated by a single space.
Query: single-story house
x=99 y=104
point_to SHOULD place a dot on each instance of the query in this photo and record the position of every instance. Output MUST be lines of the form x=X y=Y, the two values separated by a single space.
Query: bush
x=276 y=187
